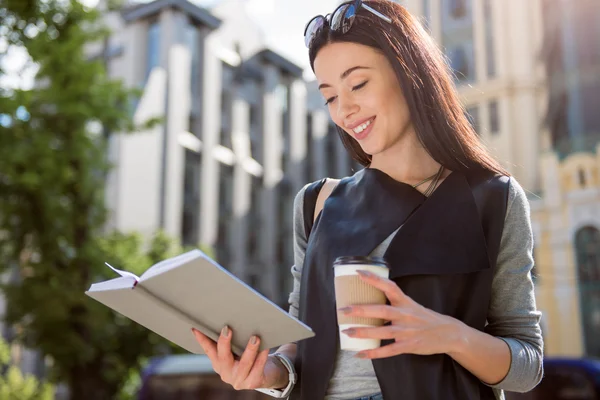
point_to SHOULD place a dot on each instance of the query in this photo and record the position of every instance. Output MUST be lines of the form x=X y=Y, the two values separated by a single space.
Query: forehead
x=335 y=58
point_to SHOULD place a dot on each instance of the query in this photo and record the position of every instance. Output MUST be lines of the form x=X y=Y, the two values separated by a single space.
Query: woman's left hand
x=414 y=328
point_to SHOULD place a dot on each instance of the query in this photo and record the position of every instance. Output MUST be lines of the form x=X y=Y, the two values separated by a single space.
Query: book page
x=171 y=263
x=123 y=282
x=124 y=274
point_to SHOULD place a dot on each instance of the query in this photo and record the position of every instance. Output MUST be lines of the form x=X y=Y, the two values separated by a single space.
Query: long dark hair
x=436 y=112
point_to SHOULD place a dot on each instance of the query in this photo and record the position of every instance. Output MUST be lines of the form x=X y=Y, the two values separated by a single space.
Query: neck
x=406 y=161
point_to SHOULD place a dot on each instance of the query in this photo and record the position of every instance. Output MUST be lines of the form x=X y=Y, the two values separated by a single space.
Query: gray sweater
x=512 y=315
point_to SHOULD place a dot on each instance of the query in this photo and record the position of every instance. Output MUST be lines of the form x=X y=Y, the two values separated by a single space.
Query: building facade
x=566 y=225
x=241 y=133
x=493 y=48
x=566 y=218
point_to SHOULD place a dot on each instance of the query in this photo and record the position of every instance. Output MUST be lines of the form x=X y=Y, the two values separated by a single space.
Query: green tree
x=52 y=213
x=15 y=386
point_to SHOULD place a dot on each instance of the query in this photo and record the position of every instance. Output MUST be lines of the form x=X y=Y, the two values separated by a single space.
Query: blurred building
x=566 y=223
x=493 y=47
x=567 y=216
x=241 y=133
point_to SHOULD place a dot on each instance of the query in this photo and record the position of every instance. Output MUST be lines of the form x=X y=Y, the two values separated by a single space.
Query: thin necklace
x=435 y=182
x=426 y=179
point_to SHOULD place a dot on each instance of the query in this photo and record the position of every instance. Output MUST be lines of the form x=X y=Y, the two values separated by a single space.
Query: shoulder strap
x=314 y=199
x=311 y=195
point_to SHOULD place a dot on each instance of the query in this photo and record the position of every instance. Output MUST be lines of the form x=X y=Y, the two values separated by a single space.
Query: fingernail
x=254 y=340
x=194 y=331
x=349 y=331
x=366 y=274
x=345 y=310
x=360 y=355
x=225 y=331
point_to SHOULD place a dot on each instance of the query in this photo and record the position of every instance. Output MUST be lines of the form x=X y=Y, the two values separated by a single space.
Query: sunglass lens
x=312 y=29
x=342 y=19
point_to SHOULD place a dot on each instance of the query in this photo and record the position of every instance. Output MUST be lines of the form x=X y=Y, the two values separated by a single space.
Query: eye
x=357 y=87
x=329 y=100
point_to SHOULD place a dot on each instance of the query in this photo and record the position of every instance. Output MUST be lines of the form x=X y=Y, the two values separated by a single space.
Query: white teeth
x=362 y=127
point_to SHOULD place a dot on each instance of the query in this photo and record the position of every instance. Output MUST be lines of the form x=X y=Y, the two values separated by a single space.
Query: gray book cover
x=193 y=291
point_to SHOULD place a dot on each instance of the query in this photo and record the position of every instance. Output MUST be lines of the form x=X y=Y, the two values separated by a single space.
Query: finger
x=208 y=345
x=380 y=311
x=392 y=349
x=381 y=332
x=224 y=354
x=391 y=290
x=256 y=375
x=246 y=362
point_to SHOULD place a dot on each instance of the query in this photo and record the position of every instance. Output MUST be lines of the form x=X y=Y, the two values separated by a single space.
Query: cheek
x=397 y=107
x=334 y=115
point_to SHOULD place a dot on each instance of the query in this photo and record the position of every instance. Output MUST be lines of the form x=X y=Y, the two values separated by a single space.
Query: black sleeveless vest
x=443 y=257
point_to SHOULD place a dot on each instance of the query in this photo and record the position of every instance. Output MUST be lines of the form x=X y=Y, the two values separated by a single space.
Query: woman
x=450 y=221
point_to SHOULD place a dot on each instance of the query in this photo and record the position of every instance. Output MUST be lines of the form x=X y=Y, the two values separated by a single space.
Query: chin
x=371 y=150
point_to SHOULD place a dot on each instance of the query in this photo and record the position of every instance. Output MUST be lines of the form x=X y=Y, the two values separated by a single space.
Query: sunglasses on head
x=340 y=20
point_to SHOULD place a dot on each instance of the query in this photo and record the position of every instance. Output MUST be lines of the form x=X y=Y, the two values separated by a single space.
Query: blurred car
x=565 y=379
x=187 y=377
x=190 y=376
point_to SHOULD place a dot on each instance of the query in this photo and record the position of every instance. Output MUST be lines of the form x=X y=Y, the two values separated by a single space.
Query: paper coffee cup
x=350 y=290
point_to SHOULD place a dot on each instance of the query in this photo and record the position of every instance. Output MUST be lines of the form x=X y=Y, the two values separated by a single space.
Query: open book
x=193 y=291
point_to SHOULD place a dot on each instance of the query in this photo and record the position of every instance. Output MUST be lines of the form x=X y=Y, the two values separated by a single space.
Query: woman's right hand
x=252 y=371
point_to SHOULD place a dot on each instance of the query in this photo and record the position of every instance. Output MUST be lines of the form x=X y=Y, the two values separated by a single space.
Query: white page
x=123 y=282
x=171 y=263
x=124 y=274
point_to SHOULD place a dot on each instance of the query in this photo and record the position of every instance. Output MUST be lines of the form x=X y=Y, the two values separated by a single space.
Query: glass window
x=191 y=199
x=193 y=43
x=587 y=246
x=254 y=222
x=226 y=106
x=427 y=13
x=253 y=96
x=590 y=98
x=223 y=248
x=489 y=39
x=473 y=116
x=153 y=47
x=458 y=8
x=462 y=65
x=581 y=177
x=195 y=127
x=282 y=96
x=309 y=154
x=457 y=39
x=494 y=117
x=282 y=93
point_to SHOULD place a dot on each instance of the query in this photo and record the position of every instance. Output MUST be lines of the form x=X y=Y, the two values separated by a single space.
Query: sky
x=282 y=23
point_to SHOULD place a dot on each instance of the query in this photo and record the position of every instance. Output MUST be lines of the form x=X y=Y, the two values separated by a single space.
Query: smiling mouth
x=359 y=129
x=363 y=130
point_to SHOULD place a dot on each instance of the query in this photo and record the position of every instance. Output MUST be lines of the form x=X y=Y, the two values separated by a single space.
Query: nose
x=346 y=107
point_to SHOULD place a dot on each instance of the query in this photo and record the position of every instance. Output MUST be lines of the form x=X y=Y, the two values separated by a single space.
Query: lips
x=362 y=130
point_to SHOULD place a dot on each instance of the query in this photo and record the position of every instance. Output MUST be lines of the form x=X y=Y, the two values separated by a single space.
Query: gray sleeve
x=300 y=242
x=512 y=315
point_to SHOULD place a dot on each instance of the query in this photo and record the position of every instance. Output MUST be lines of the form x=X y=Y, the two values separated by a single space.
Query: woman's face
x=363 y=95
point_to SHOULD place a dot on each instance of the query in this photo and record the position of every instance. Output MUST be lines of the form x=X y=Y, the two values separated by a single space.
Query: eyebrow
x=344 y=75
